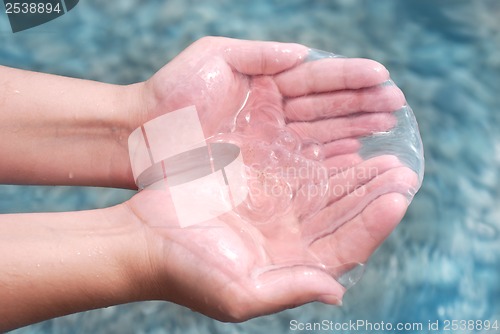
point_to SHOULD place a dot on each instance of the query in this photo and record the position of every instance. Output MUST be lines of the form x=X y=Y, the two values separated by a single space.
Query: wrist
x=134 y=103
x=61 y=263
x=66 y=131
x=135 y=253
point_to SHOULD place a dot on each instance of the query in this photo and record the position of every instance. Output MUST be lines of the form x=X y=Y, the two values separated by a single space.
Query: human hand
x=237 y=266
x=217 y=267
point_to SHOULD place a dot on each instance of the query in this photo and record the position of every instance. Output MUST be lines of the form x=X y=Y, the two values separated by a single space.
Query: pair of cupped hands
x=230 y=268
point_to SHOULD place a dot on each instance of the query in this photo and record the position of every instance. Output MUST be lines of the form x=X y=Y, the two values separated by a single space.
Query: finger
x=327 y=75
x=401 y=180
x=345 y=177
x=344 y=102
x=341 y=146
x=354 y=126
x=344 y=182
x=292 y=286
x=339 y=163
x=263 y=58
x=355 y=241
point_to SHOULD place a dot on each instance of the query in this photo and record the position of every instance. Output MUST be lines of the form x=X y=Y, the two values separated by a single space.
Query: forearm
x=54 y=264
x=59 y=130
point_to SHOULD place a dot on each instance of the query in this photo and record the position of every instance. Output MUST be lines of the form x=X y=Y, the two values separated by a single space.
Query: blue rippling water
x=443 y=261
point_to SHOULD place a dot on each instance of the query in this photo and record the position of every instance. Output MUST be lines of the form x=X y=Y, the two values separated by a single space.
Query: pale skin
x=56 y=130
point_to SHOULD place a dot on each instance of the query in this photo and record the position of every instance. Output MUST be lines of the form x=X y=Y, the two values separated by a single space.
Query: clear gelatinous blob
x=303 y=166
x=315 y=54
x=351 y=275
x=402 y=141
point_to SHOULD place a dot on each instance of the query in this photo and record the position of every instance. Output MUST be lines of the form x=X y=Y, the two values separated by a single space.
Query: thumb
x=288 y=287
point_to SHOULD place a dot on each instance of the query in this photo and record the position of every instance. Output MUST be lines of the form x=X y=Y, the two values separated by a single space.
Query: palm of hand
x=231 y=268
